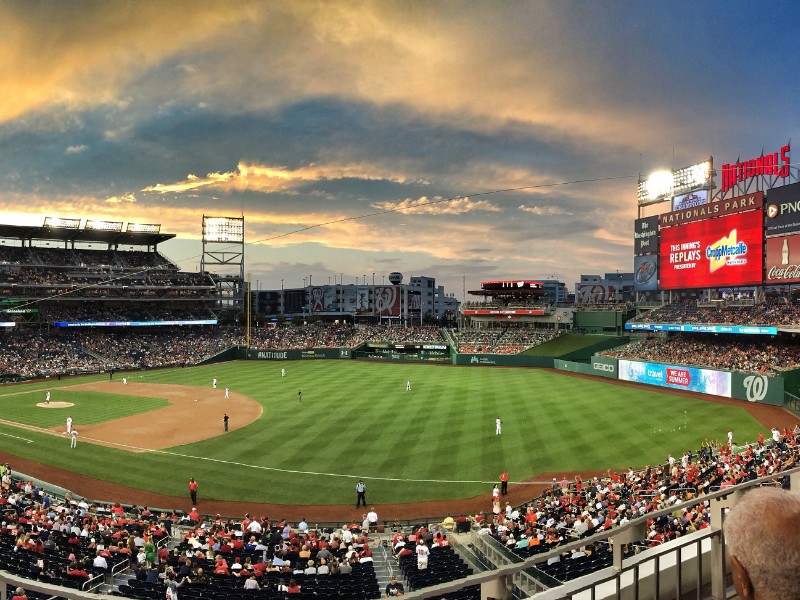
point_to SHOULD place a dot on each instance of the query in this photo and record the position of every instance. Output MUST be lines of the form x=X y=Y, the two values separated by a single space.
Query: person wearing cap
x=394 y=588
x=361 y=490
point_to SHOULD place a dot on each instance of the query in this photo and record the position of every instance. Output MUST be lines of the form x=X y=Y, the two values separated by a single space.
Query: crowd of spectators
x=83 y=258
x=758 y=356
x=505 y=340
x=70 y=542
x=339 y=335
x=573 y=508
x=770 y=311
x=27 y=353
x=103 y=312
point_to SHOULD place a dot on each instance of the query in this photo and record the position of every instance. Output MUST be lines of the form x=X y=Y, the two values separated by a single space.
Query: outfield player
x=498 y=426
x=214 y=383
x=408 y=385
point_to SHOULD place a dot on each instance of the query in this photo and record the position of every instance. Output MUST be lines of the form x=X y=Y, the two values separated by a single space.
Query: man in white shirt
x=422 y=555
x=254 y=527
x=372 y=517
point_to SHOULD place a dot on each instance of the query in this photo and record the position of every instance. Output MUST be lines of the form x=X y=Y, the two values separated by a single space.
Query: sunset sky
x=297 y=114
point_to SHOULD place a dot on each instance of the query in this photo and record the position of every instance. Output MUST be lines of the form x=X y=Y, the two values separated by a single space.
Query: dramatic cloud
x=341 y=130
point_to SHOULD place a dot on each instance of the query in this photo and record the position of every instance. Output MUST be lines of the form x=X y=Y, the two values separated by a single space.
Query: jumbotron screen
x=723 y=252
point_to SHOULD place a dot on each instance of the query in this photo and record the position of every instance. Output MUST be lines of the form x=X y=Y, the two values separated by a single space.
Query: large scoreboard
x=723 y=252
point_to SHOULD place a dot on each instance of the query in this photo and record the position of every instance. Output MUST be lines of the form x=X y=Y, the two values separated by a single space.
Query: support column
x=497 y=589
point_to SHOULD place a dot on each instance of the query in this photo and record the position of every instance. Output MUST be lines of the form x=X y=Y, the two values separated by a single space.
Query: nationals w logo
x=756 y=387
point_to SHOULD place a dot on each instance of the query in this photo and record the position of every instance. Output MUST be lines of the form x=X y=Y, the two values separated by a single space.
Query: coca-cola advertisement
x=783 y=259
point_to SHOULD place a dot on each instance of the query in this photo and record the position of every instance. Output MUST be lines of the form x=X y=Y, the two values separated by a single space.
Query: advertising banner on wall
x=362 y=299
x=718 y=208
x=690 y=200
x=783 y=210
x=604 y=366
x=757 y=388
x=645 y=273
x=317 y=299
x=783 y=260
x=705 y=381
x=595 y=293
x=645 y=235
x=388 y=300
x=722 y=252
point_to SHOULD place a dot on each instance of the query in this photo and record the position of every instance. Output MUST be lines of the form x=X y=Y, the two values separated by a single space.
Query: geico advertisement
x=727 y=251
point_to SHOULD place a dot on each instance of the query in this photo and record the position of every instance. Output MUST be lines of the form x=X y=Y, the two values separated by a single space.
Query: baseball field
x=436 y=442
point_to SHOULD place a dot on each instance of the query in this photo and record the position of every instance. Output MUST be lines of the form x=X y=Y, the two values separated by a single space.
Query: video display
x=723 y=252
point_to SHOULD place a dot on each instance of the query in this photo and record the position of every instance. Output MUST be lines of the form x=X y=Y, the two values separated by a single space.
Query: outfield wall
x=503 y=360
x=251 y=354
x=730 y=384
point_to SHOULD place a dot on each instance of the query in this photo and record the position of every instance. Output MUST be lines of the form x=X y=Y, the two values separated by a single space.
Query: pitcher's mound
x=55 y=404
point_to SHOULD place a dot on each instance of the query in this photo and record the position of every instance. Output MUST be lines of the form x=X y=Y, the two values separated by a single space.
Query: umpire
x=361 y=494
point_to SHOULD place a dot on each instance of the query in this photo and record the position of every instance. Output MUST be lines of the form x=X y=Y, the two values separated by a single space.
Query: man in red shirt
x=504 y=483
x=193 y=491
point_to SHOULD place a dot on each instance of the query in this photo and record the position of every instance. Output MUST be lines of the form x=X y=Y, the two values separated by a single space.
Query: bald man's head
x=762 y=534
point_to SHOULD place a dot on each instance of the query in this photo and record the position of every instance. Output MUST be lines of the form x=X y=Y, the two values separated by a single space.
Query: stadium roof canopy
x=27 y=232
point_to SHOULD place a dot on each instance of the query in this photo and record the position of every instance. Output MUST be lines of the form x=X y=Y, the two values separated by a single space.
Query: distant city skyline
x=301 y=114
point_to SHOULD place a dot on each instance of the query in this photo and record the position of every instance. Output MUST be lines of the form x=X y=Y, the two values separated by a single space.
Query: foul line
x=16 y=437
x=259 y=467
x=298 y=472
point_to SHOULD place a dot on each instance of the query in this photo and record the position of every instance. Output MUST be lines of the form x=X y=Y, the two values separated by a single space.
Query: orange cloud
x=266 y=179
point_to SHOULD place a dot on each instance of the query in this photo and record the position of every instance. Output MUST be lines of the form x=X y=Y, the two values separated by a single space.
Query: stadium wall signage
x=645 y=269
x=776 y=164
x=740 y=329
x=728 y=251
x=645 y=235
x=511 y=313
x=604 y=366
x=783 y=210
x=310 y=353
x=783 y=260
x=690 y=200
x=719 y=208
x=693 y=379
x=757 y=388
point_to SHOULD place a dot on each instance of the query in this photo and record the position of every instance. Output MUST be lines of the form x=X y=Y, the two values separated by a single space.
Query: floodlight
x=62 y=223
x=143 y=228
x=104 y=225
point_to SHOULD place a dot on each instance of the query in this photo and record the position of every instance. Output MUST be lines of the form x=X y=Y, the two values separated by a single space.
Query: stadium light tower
x=223 y=248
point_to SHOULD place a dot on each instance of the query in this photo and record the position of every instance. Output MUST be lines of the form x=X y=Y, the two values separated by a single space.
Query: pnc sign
x=776 y=164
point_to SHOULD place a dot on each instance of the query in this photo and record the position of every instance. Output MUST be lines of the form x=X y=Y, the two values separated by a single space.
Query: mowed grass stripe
x=88 y=407
x=357 y=420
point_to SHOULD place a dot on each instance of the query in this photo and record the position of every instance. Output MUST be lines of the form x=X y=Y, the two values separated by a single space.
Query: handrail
x=627 y=529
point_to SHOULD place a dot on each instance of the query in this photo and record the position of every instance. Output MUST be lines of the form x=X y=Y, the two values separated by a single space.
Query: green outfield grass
x=356 y=420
